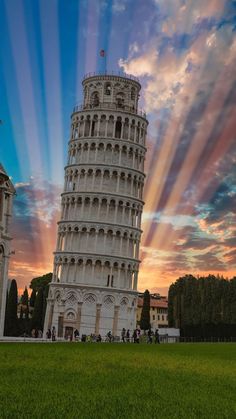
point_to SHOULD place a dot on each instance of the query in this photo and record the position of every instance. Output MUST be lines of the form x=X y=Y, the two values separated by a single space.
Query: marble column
x=115 y=320
x=79 y=311
x=98 y=317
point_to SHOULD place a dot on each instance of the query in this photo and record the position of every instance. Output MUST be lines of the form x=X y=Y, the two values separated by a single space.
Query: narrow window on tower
x=92 y=129
x=108 y=280
x=120 y=100
x=73 y=187
x=108 y=89
x=118 y=127
x=112 y=279
x=95 y=99
x=132 y=93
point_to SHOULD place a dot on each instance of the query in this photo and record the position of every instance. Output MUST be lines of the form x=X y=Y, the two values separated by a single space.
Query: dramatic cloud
x=34 y=228
x=191 y=105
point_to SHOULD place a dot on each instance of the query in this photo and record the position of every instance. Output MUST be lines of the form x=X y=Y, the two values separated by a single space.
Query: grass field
x=76 y=380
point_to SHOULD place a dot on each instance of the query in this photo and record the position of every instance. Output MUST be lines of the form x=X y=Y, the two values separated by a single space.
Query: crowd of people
x=36 y=333
x=126 y=336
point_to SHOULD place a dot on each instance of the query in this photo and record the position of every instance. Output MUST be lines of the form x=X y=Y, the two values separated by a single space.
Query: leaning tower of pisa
x=96 y=262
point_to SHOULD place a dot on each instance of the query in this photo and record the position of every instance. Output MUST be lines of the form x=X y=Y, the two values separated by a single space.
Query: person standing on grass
x=127 y=335
x=76 y=334
x=53 y=334
x=150 y=333
x=123 y=335
x=49 y=334
x=157 y=336
x=135 y=336
x=138 y=335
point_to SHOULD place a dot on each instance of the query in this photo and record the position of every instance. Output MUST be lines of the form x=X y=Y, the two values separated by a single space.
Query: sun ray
x=198 y=143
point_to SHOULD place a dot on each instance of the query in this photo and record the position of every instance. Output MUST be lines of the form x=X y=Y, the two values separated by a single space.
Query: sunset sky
x=184 y=54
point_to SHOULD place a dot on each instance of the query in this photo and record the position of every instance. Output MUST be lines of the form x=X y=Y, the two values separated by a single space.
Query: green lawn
x=76 y=380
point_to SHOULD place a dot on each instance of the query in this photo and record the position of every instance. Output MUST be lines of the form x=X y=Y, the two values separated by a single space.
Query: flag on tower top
x=102 y=53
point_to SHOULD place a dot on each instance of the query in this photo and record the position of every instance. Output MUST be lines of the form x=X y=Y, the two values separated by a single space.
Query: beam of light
x=20 y=50
x=12 y=96
x=81 y=42
x=27 y=101
x=194 y=153
x=21 y=58
x=104 y=34
x=52 y=77
x=154 y=189
x=222 y=146
x=165 y=158
x=91 y=46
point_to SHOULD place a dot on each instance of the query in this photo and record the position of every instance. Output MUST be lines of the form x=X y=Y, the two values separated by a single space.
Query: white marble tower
x=94 y=286
x=6 y=195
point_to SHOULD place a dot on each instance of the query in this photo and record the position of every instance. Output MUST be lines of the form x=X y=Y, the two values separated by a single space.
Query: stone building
x=96 y=263
x=158 y=312
x=6 y=195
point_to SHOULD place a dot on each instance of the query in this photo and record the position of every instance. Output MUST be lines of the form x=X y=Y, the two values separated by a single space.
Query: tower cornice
x=102 y=193
x=105 y=167
x=109 y=140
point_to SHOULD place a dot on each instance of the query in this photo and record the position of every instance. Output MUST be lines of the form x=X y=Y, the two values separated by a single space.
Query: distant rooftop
x=154 y=303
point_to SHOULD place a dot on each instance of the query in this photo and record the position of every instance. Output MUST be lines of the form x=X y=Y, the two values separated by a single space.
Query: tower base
x=90 y=310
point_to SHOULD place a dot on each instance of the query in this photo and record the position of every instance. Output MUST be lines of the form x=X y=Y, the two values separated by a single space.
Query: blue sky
x=184 y=53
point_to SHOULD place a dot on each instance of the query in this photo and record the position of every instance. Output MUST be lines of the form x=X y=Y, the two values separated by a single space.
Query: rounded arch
x=90 y=298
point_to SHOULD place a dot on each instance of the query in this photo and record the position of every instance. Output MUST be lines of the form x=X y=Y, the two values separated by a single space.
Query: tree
x=25 y=297
x=41 y=281
x=32 y=298
x=11 y=320
x=25 y=303
x=203 y=306
x=38 y=299
x=37 y=317
x=145 y=314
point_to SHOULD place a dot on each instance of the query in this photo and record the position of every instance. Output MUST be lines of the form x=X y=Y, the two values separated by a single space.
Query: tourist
x=127 y=335
x=109 y=336
x=40 y=334
x=123 y=335
x=150 y=333
x=99 y=338
x=49 y=334
x=53 y=334
x=36 y=333
x=157 y=336
x=76 y=334
x=135 y=335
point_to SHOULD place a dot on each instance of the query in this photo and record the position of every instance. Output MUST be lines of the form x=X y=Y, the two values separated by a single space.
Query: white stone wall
x=6 y=195
x=100 y=229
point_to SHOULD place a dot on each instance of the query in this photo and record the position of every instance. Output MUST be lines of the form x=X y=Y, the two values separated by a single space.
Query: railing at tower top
x=111 y=73
x=111 y=106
